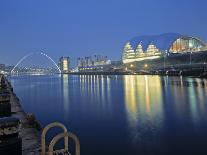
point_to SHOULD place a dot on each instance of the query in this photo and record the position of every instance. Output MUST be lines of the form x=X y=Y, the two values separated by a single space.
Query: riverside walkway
x=29 y=130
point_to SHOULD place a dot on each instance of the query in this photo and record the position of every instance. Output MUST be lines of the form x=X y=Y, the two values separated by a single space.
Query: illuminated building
x=64 y=64
x=93 y=63
x=155 y=46
x=2 y=67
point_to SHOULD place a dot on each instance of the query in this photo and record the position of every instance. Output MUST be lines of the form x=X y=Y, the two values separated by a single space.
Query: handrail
x=44 y=132
x=64 y=135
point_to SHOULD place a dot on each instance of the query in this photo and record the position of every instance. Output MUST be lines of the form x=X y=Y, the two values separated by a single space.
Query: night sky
x=78 y=28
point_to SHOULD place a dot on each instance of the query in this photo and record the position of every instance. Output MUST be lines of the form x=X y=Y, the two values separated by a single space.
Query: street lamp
x=190 y=58
x=165 y=54
x=131 y=65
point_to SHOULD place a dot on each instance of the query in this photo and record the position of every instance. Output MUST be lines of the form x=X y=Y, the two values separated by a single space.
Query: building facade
x=96 y=62
x=2 y=67
x=64 y=64
x=155 y=46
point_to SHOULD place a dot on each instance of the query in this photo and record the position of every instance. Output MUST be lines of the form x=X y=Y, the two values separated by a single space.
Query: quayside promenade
x=19 y=131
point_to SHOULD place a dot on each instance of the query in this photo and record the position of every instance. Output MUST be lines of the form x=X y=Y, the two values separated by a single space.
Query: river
x=122 y=115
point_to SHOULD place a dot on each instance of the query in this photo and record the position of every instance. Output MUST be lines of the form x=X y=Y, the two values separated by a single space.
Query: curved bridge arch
x=30 y=54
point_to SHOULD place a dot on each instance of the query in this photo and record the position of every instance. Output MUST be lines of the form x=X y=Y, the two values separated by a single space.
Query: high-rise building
x=64 y=64
x=2 y=67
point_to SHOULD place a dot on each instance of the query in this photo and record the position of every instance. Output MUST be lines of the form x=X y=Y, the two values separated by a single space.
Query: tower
x=64 y=64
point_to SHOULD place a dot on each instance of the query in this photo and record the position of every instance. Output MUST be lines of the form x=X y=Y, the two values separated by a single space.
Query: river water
x=122 y=115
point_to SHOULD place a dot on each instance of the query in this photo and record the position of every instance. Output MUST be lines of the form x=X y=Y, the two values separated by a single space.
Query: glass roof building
x=154 y=46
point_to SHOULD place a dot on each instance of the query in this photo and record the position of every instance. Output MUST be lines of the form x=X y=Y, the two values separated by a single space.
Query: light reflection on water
x=144 y=105
x=188 y=96
x=66 y=94
x=127 y=114
x=96 y=88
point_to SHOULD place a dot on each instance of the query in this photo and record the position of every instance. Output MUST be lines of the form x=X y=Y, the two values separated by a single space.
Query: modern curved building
x=154 y=46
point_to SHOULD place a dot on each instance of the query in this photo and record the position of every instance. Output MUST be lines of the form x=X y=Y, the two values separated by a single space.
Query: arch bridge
x=31 y=54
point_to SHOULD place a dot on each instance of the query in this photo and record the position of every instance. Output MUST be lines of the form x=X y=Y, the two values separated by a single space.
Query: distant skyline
x=78 y=28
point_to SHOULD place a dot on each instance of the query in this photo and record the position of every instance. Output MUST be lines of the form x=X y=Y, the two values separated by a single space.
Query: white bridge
x=29 y=55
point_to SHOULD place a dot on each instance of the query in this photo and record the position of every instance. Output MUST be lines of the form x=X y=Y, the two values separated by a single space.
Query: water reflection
x=130 y=98
x=65 y=94
x=143 y=102
x=156 y=105
x=187 y=97
x=97 y=89
x=148 y=113
x=108 y=90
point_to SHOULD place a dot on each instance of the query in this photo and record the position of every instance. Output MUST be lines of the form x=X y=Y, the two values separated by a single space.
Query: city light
x=153 y=47
x=131 y=65
x=120 y=77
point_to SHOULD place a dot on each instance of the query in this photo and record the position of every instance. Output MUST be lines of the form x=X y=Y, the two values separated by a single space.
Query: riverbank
x=29 y=128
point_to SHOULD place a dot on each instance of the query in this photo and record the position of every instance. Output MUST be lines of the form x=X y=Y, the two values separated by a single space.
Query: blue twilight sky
x=78 y=28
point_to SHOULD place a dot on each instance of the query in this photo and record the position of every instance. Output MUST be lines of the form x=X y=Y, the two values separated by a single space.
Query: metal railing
x=65 y=134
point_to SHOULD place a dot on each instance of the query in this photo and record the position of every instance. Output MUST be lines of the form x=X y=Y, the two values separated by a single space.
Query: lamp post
x=164 y=62
x=132 y=67
x=165 y=54
x=145 y=67
x=190 y=58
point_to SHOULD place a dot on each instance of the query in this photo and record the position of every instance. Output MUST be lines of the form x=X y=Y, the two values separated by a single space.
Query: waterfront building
x=155 y=46
x=64 y=64
x=2 y=67
x=93 y=63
